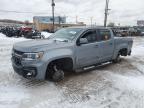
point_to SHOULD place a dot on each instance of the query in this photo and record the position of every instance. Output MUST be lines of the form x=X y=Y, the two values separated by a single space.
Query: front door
x=88 y=54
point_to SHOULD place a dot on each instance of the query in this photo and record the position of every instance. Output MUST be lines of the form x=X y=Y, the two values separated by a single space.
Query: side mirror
x=83 y=41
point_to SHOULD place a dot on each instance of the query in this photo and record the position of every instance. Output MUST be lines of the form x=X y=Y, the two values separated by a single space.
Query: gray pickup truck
x=68 y=50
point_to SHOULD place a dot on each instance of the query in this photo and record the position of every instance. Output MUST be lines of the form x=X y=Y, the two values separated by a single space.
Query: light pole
x=91 y=21
x=53 y=5
x=106 y=12
x=76 y=19
x=59 y=20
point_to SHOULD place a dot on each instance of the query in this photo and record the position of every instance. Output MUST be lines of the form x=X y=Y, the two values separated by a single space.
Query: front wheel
x=55 y=73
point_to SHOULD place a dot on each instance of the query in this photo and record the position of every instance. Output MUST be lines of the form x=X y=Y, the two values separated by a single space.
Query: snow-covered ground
x=108 y=86
x=46 y=34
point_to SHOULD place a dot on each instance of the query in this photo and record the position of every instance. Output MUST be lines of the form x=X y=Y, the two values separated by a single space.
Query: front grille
x=17 y=55
x=17 y=60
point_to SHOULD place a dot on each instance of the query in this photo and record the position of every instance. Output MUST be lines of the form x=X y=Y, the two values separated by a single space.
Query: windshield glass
x=66 y=33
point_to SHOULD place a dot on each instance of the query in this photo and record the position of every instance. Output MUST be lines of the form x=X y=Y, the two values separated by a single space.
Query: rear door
x=106 y=44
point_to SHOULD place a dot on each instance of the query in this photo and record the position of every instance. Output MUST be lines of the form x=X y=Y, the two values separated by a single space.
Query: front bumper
x=26 y=72
x=30 y=70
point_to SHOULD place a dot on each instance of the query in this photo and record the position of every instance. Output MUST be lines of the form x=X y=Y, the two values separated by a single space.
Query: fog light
x=29 y=73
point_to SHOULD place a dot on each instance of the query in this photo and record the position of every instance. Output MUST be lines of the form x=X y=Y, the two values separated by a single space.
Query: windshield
x=66 y=33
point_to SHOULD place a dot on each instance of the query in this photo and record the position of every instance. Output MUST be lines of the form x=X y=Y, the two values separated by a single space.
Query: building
x=49 y=19
x=42 y=23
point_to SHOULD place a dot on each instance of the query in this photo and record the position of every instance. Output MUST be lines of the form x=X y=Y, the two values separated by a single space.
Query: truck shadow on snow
x=27 y=83
x=90 y=70
x=119 y=68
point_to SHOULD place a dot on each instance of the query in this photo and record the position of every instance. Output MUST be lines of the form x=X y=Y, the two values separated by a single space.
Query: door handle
x=111 y=44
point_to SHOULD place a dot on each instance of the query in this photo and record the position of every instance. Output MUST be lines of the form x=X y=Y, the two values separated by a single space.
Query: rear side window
x=104 y=34
x=90 y=36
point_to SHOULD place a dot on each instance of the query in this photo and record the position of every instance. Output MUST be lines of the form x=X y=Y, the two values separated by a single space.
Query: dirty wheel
x=55 y=73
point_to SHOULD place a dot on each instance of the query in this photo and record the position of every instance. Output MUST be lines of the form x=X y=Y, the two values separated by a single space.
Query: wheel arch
x=66 y=63
x=123 y=51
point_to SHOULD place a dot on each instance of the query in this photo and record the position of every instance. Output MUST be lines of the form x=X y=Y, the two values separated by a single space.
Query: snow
x=108 y=86
x=135 y=83
x=3 y=37
x=11 y=95
x=46 y=34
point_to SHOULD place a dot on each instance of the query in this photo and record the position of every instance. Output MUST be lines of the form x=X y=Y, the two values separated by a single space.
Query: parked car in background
x=26 y=32
x=142 y=32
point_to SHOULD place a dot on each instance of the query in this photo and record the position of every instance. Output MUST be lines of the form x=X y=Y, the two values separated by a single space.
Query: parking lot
x=107 y=86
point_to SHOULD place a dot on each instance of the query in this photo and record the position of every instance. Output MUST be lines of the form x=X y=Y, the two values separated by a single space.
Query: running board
x=83 y=69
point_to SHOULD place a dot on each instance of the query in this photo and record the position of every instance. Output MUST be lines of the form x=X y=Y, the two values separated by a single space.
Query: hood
x=39 y=45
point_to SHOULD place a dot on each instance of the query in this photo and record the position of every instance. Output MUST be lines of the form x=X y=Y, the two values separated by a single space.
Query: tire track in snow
x=138 y=64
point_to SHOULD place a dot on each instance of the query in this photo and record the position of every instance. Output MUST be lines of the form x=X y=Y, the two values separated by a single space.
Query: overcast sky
x=125 y=12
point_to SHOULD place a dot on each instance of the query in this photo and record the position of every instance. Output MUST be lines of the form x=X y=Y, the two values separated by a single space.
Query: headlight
x=32 y=56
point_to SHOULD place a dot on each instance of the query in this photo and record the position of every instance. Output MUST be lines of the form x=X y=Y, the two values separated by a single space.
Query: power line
x=28 y=12
x=47 y=13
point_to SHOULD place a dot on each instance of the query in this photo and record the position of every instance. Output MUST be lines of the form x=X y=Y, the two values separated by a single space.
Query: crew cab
x=68 y=50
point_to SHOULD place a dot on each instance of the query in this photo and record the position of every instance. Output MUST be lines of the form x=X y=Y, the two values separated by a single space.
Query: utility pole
x=59 y=20
x=91 y=21
x=53 y=5
x=95 y=24
x=76 y=19
x=106 y=12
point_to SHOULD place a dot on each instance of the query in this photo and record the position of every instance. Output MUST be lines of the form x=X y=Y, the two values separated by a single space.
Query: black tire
x=117 y=59
x=42 y=37
x=58 y=76
x=54 y=73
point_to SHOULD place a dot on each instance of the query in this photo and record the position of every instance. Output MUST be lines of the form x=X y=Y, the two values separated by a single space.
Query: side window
x=104 y=34
x=90 y=36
